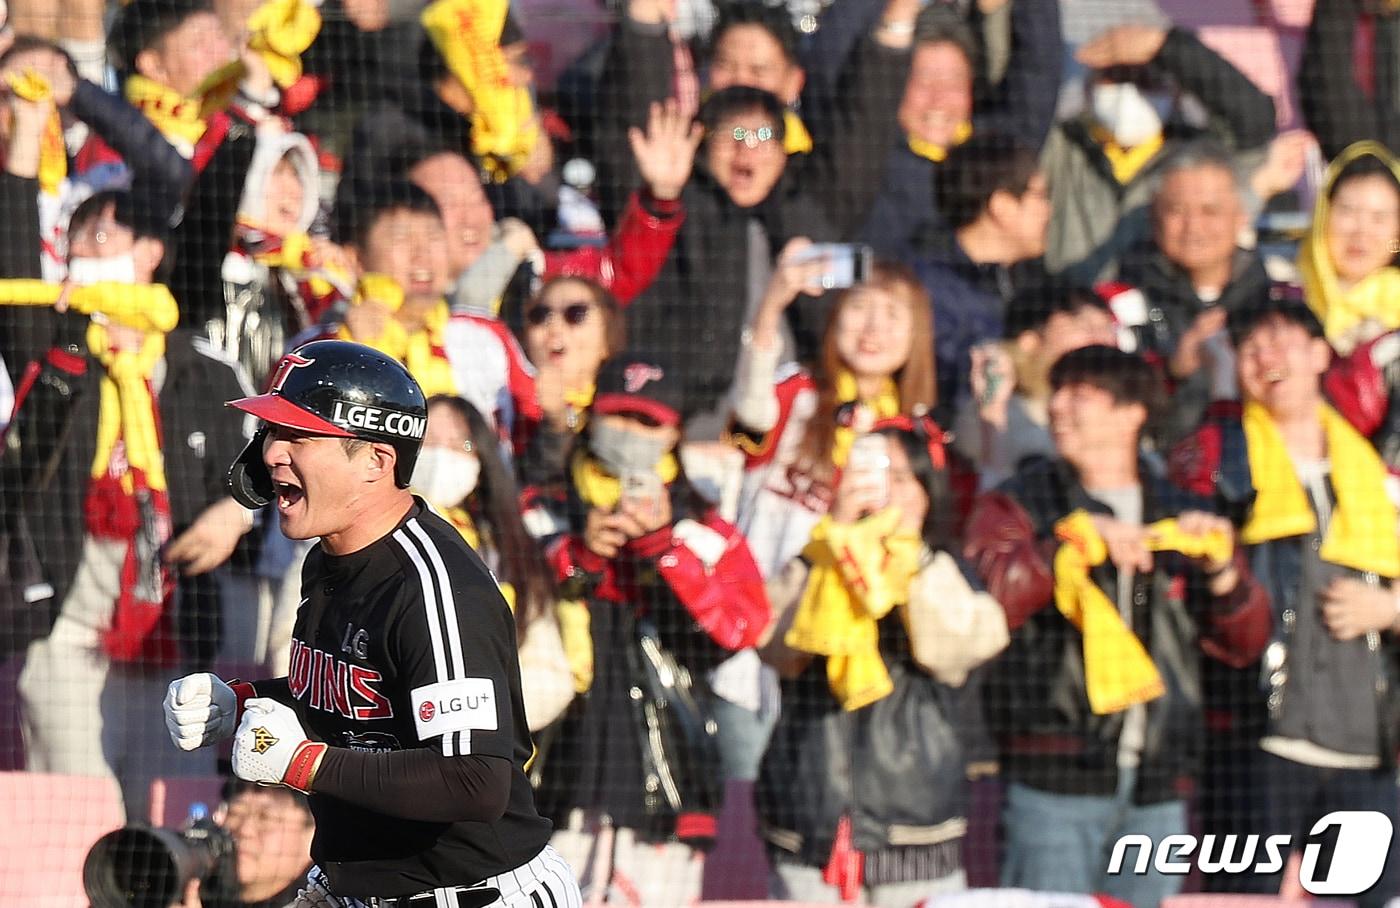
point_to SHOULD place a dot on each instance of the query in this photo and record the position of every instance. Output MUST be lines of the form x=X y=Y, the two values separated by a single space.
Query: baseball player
x=401 y=716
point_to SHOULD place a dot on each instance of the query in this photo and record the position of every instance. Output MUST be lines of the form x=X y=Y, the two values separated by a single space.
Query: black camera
x=146 y=867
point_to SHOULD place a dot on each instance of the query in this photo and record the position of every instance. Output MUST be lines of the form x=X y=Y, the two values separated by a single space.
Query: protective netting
x=921 y=443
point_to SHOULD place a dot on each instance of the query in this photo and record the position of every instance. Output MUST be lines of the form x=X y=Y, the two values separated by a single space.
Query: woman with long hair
x=878 y=634
x=461 y=473
x=796 y=426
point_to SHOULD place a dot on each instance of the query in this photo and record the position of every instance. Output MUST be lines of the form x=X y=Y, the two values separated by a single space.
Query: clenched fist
x=200 y=710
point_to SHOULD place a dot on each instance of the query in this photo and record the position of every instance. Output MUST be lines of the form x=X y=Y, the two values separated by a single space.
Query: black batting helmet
x=339 y=389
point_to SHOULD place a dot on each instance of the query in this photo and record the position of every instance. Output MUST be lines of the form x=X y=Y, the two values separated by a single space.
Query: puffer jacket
x=824 y=763
x=1049 y=737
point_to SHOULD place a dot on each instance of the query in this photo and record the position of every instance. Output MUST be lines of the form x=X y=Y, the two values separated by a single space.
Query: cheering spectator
x=875 y=637
x=796 y=429
x=570 y=327
x=739 y=206
x=485 y=255
x=632 y=779
x=754 y=47
x=165 y=50
x=117 y=463
x=398 y=248
x=1006 y=420
x=1097 y=700
x=1101 y=165
x=245 y=264
x=1192 y=274
x=39 y=75
x=460 y=473
x=997 y=205
x=1319 y=529
x=1347 y=260
x=944 y=102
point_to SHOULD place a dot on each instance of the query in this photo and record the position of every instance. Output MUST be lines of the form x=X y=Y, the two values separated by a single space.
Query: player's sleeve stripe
x=433 y=613
x=449 y=604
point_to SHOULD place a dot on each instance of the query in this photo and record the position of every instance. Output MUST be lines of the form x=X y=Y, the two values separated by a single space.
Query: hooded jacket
x=1367 y=309
x=245 y=308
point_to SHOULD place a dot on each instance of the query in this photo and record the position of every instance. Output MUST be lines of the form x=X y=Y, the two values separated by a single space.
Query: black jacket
x=1022 y=105
x=849 y=139
x=1038 y=705
x=1336 y=108
x=1172 y=306
x=52 y=441
x=824 y=763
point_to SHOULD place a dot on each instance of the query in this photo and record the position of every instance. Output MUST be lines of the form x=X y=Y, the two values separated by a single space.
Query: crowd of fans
x=842 y=412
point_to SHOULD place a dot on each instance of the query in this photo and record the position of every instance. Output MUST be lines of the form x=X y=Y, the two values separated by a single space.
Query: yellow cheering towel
x=859 y=573
x=1118 y=672
x=939 y=153
x=127 y=408
x=467 y=33
x=1361 y=534
x=1127 y=162
x=1376 y=297
x=145 y=307
x=575 y=630
x=280 y=31
x=53 y=153
x=179 y=119
x=884 y=405
x=796 y=138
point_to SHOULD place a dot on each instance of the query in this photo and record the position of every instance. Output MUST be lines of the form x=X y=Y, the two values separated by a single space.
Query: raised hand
x=1122 y=45
x=666 y=151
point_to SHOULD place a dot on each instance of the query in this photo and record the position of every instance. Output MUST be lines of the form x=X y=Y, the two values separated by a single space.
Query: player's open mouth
x=288 y=495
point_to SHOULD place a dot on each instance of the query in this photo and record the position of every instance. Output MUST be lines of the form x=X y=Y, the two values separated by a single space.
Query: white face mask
x=1132 y=117
x=120 y=269
x=445 y=476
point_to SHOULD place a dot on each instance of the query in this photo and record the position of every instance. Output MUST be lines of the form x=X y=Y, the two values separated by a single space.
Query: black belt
x=477 y=896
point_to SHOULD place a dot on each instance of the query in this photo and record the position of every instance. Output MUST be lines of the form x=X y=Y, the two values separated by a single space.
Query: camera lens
x=139 y=867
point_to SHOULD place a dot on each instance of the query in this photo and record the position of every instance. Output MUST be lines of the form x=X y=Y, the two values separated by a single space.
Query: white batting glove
x=317 y=893
x=271 y=747
x=200 y=709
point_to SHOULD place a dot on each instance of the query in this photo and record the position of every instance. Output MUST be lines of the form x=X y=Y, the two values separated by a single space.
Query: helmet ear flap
x=406 y=456
x=248 y=480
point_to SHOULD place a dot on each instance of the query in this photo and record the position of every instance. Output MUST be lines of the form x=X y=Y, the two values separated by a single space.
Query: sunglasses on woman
x=573 y=314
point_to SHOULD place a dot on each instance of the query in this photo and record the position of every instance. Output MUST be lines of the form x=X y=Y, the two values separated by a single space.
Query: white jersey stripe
x=449 y=604
x=429 y=606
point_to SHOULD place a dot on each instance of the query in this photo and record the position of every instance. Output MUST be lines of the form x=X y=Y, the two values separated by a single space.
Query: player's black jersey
x=404 y=644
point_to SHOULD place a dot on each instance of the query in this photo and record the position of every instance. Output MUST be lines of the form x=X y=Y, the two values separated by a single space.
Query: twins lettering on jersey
x=335 y=686
x=376 y=419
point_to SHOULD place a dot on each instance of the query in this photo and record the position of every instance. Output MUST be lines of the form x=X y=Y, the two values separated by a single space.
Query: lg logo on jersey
x=451 y=706
x=454 y=705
